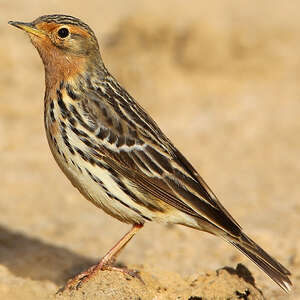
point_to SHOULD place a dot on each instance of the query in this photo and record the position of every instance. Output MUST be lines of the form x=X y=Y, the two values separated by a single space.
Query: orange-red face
x=64 y=48
x=69 y=38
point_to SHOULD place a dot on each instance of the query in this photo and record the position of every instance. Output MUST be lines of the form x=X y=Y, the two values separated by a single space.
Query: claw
x=105 y=264
x=77 y=282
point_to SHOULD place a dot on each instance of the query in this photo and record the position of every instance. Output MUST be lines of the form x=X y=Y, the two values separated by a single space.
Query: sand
x=222 y=81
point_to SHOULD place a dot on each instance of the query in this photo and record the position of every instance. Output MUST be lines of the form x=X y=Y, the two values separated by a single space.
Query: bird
x=115 y=154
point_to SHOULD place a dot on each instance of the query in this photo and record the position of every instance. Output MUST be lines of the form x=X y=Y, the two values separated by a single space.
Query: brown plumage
x=115 y=154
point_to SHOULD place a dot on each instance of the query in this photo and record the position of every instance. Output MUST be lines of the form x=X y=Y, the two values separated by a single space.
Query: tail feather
x=264 y=261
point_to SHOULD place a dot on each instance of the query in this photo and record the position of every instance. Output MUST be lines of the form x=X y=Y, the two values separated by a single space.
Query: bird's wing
x=131 y=143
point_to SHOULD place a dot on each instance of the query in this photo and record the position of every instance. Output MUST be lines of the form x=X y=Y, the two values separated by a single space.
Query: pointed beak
x=28 y=27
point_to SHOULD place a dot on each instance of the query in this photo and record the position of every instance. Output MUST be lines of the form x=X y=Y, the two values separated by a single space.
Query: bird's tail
x=263 y=260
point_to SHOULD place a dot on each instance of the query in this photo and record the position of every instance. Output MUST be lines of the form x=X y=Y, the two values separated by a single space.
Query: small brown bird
x=115 y=154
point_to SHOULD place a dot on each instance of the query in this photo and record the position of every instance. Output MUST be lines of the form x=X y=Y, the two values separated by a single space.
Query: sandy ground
x=222 y=80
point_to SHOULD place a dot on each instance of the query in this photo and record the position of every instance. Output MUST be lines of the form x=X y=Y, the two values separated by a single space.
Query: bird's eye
x=63 y=32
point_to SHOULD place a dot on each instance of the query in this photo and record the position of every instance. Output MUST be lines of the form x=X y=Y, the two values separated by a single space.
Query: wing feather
x=144 y=155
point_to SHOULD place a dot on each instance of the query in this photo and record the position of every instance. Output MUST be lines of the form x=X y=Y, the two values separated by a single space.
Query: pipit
x=115 y=154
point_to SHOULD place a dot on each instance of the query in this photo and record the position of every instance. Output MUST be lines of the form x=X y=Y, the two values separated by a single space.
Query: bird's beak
x=28 y=27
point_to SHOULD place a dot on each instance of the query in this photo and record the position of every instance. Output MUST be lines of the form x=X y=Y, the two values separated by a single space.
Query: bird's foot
x=104 y=265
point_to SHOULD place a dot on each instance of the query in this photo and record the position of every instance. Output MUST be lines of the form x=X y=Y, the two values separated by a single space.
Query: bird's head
x=65 y=43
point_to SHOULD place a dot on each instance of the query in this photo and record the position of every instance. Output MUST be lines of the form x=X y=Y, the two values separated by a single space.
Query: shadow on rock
x=242 y=272
x=32 y=258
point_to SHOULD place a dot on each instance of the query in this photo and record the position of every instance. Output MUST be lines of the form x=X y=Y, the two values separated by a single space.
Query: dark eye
x=63 y=32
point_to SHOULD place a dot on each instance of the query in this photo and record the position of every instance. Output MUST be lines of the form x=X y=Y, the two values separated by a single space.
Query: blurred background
x=222 y=81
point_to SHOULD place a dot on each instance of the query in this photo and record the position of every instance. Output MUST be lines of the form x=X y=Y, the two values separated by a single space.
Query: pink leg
x=106 y=262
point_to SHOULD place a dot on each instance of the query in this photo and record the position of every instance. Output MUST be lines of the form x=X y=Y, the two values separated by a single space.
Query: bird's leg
x=106 y=262
x=110 y=257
